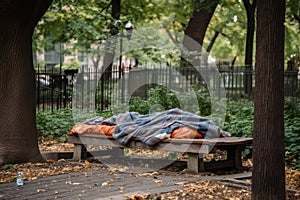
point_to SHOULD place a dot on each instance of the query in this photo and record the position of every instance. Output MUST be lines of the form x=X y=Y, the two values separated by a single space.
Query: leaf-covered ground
x=197 y=190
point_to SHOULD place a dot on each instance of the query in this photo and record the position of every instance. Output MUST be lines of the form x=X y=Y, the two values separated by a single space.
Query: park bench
x=195 y=148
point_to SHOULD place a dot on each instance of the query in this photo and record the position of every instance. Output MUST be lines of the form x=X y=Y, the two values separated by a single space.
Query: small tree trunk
x=212 y=42
x=109 y=54
x=269 y=145
x=250 y=10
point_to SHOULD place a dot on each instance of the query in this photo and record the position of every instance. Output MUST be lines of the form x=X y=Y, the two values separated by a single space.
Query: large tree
x=18 y=134
x=268 y=145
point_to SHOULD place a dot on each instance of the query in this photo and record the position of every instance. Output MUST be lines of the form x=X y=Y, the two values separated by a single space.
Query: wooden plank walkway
x=100 y=184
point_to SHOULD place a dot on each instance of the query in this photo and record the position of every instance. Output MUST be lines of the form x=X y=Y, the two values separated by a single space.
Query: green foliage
x=89 y=21
x=232 y=37
x=161 y=98
x=7 y=166
x=74 y=64
x=239 y=119
x=164 y=97
x=54 y=125
x=292 y=133
x=204 y=102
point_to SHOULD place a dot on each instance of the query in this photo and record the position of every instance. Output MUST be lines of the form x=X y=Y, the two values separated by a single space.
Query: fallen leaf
x=123 y=169
x=158 y=181
x=38 y=164
x=104 y=184
x=87 y=163
x=148 y=174
x=180 y=183
x=40 y=190
x=50 y=161
x=138 y=197
x=296 y=176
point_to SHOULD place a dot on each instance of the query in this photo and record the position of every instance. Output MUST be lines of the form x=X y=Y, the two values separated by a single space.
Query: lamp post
x=128 y=27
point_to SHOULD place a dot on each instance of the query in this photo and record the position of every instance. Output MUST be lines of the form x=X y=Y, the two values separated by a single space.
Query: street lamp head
x=129 y=27
x=118 y=23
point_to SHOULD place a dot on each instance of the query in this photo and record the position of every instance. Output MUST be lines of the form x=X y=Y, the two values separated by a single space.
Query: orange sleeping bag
x=87 y=128
x=186 y=133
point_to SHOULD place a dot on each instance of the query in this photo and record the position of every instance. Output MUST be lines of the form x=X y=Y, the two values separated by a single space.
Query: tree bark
x=199 y=22
x=109 y=54
x=250 y=10
x=269 y=145
x=18 y=134
x=212 y=42
x=196 y=28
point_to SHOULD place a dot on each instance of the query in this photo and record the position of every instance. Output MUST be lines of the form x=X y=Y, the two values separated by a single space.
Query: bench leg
x=80 y=152
x=235 y=153
x=195 y=164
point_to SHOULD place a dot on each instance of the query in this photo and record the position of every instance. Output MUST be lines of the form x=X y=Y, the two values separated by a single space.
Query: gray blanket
x=152 y=128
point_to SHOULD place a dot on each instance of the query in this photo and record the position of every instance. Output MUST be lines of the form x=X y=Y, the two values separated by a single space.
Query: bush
x=239 y=119
x=240 y=122
x=162 y=98
x=54 y=125
x=292 y=133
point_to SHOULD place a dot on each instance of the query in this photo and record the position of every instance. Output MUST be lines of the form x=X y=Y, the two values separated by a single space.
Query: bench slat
x=213 y=141
x=99 y=140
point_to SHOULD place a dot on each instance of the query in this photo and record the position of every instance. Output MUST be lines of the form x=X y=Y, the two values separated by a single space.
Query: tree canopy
x=90 y=22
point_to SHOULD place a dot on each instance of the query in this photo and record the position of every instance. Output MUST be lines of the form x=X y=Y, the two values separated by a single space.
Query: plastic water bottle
x=20 y=179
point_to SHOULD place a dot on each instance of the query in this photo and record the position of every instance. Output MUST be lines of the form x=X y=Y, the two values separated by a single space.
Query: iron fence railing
x=99 y=90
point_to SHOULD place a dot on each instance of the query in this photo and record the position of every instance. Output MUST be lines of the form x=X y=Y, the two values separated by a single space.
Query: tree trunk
x=269 y=145
x=196 y=29
x=109 y=54
x=199 y=22
x=250 y=10
x=212 y=42
x=18 y=134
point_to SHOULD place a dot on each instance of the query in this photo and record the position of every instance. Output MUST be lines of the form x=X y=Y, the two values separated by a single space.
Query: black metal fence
x=98 y=89
x=54 y=88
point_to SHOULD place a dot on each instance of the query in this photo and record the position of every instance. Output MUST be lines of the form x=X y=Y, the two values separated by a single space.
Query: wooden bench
x=196 y=149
